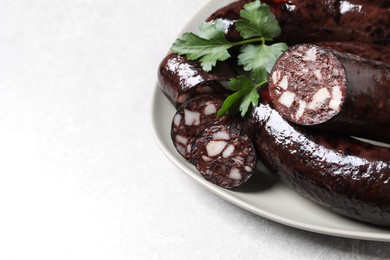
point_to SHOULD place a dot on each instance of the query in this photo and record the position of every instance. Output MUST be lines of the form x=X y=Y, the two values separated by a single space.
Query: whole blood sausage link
x=332 y=20
x=312 y=20
x=310 y=85
x=346 y=176
x=224 y=156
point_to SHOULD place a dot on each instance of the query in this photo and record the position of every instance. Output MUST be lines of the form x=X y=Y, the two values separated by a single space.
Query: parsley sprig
x=257 y=26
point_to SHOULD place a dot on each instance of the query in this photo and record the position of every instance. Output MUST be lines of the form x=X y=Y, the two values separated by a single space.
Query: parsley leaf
x=245 y=96
x=209 y=48
x=259 y=59
x=257 y=20
x=257 y=25
x=252 y=98
x=230 y=105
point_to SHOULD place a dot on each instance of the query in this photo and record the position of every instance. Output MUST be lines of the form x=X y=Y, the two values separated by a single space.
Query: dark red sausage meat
x=215 y=145
x=224 y=156
x=310 y=85
x=346 y=176
x=193 y=117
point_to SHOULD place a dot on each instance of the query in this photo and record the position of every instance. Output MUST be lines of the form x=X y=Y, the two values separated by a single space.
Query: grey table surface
x=81 y=175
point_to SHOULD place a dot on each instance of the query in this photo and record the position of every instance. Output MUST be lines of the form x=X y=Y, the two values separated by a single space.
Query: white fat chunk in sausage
x=287 y=98
x=319 y=98
x=182 y=98
x=284 y=83
x=235 y=174
x=238 y=160
x=248 y=169
x=177 y=120
x=181 y=149
x=317 y=74
x=228 y=151
x=335 y=102
x=276 y=76
x=300 y=50
x=300 y=110
x=182 y=139
x=191 y=117
x=210 y=109
x=310 y=55
x=305 y=70
x=215 y=147
x=221 y=135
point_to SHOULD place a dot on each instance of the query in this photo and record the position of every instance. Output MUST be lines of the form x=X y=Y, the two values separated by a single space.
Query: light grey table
x=81 y=176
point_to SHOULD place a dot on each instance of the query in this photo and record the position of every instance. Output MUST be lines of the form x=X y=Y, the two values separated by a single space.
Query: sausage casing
x=181 y=79
x=345 y=175
x=312 y=20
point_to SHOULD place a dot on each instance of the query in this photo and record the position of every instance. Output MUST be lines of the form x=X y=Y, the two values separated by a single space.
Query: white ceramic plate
x=263 y=194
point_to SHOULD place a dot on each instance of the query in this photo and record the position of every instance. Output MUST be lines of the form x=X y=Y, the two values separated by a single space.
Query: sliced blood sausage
x=193 y=117
x=224 y=156
x=304 y=21
x=336 y=91
x=345 y=175
x=181 y=79
x=377 y=52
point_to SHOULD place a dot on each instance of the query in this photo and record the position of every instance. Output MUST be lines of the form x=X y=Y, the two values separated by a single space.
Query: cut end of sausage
x=224 y=156
x=308 y=84
x=193 y=117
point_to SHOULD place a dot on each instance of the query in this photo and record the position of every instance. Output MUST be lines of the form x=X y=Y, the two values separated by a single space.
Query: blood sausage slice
x=311 y=85
x=193 y=117
x=223 y=156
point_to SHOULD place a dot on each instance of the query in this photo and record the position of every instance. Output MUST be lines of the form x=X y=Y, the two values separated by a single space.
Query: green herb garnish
x=245 y=95
x=209 y=46
x=257 y=25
